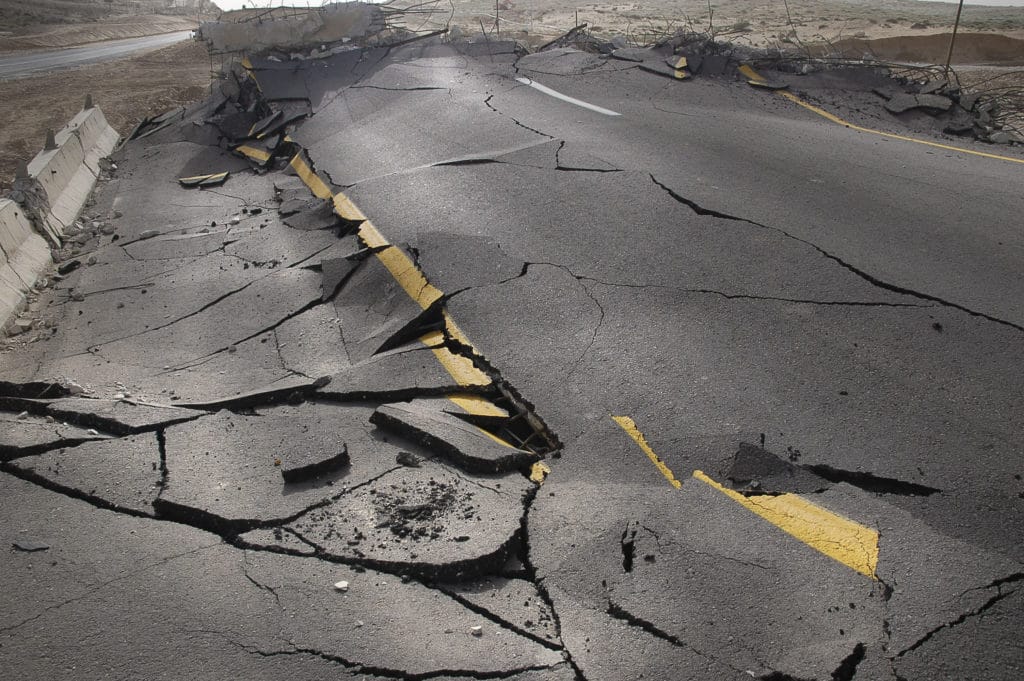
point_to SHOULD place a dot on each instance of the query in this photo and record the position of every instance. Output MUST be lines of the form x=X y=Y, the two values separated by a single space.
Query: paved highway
x=770 y=361
x=21 y=64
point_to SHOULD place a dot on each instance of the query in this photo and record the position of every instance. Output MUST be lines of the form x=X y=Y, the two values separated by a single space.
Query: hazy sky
x=236 y=4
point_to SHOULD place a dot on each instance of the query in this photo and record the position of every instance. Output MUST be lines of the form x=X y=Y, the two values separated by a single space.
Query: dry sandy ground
x=757 y=22
x=127 y=90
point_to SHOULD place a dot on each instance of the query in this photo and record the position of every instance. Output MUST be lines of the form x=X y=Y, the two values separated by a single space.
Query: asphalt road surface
x=619 y=377
x=21 y=64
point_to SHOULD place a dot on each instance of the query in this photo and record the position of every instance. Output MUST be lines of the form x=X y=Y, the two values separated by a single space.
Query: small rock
x=477 y=631
x=22 y=416
x=29 y=546
x=149 y=234
x=69 y=266
x=408 y=459
x=1000 y=137
x=359 y=623
x=91 y=260
x=341 y=586
x=73 y=388
x=235 y=220
x=77 y=297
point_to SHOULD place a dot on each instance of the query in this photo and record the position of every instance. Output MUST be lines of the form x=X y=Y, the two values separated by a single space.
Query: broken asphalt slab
x=464 y=445
x=262 y=615
x=427 y=520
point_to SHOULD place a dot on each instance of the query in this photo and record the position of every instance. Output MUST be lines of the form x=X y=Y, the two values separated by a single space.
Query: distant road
x=20 y=64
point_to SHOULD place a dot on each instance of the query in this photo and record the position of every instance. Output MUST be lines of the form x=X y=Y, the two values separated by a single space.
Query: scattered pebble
x=22 y=416
x=149 y=234
x=477 y=631
x=359 y=623
x=341 y=586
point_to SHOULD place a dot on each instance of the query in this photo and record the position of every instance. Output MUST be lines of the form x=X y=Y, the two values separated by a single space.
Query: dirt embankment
x=127 y=90
x=970 y=48
x=68 y=35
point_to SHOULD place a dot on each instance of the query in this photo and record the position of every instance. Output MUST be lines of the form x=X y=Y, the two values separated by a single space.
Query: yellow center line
x=839 y=538
x=629 y=426
x=254 y=153
x=753 y=75
x=311 y=179
x=681 y=64
x=425 y=294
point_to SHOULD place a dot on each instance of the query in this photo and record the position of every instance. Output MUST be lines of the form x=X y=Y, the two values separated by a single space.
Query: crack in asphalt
x=620 y=613
x=871 y=279
x=980 y=610
x=92 y=590
x=487 y=103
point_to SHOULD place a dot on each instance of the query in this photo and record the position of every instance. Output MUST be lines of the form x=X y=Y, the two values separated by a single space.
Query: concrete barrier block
x=15 y=227
x=54 y=169
x=69 y=204
x=24 y=257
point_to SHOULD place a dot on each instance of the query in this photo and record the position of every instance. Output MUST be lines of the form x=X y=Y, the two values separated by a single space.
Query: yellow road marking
x=463 y=371
x=750 y=73
x=629 y=426
x=254 y=153
x=311 y=179
x=347 y=210
x=839 y=538
x=680 y=65
x=401 y=267
x=412 y=281
x=753 y=75
x=478 y=405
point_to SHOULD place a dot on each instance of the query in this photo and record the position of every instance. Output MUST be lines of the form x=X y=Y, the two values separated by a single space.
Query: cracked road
x=350 y=414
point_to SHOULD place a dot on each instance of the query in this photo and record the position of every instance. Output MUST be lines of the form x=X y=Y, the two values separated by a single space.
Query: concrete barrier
x=53 y=191
x=25 y=255
x=68 y=172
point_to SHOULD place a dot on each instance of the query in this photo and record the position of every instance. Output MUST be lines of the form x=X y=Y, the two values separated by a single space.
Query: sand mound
x=971 y=48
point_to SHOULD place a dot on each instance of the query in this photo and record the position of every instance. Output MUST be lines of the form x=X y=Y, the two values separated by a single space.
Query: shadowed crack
x=870 y=482
x=871 y=279
x=99 y=587
x=620 y=613
x=487 y=103
x=980 y=610
x=503 y=623
x=679 y=289
x=386 y=672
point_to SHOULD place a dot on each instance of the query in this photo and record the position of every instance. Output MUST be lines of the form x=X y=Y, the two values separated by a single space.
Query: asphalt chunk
x=465 y=445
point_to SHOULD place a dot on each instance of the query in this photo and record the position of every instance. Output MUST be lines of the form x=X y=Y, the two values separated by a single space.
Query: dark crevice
x=531 y=575
x=267 y=329
x=12 y=468
x=161 y=442
x=1000 y=595
x=628 y=545
x=11 y=453
x=398 y=89
x=487 y=103
x=388 y=673
x=847 y=669
x=620 y=613
x=33 y=390
x=870 y=482
x=202 y=309
x=503 y=623
x=871 y=279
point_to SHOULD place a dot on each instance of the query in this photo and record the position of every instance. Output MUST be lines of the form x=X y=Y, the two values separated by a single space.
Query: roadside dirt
x=68 y=35
x=127 y=90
